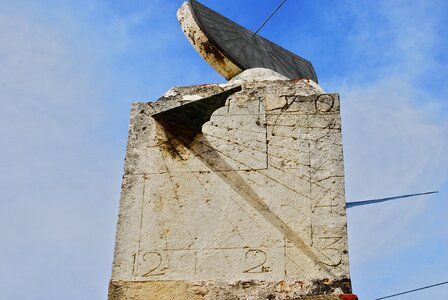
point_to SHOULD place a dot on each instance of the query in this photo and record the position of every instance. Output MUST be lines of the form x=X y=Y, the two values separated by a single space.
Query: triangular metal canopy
x=247 y=50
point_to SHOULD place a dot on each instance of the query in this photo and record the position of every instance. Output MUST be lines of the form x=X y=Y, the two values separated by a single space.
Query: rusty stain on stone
x=203 y=45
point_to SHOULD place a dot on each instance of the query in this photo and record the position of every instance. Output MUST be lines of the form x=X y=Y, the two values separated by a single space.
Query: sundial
x=234 y=191
x=230 y=48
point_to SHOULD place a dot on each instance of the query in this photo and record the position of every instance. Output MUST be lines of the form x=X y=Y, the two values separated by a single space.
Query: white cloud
x=392 y=147
x=68 y=74
x=59 y=185
x=395 y=138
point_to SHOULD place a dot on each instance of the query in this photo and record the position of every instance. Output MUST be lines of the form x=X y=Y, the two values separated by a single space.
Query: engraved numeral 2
x=152 y=262
x=257 y=259
x=155 y=261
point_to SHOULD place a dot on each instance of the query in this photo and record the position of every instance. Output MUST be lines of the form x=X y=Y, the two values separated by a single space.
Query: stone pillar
x=251 y=207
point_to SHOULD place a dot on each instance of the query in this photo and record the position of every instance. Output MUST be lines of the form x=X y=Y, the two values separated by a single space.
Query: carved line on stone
x=136 y=268
x=326 y=136
x=189 y=140
x=259 y=170
x=195 y=173
x=251 y=218
x=222 y=211
x=237 y=129
x=255 y=149
x=306 y=216
x=241 y=187
x=193 y=249
x=313 y=169
x=177 y=197
x=197 y=143
x=235 y=142
x=194 y=114
x=239 y=144
x=203 y=215
x=293 y=260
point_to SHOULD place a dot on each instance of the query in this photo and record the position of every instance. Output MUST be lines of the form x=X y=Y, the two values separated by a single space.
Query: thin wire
x=412 y=291
x=267 y=20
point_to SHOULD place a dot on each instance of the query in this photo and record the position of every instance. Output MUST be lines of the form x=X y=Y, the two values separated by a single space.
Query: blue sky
x=69 y=71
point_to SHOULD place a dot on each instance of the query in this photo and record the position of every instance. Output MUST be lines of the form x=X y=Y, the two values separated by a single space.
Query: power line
x=412 y=291
x=267 y=20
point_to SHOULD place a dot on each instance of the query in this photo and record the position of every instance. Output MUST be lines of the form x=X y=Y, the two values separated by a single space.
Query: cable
x=278 y=7
x=412 y=291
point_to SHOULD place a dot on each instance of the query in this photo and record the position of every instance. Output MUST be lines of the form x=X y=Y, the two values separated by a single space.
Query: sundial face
x=230 y=48
x=257 y=195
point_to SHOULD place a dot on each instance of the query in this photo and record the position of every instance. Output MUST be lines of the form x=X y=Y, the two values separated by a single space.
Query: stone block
x=252 y=207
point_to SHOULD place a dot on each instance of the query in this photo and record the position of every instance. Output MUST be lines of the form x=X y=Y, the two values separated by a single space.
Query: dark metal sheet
x=230 y=38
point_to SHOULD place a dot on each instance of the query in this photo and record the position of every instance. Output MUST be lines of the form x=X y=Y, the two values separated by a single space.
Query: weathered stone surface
x=257 y=74
x=211 y=290
x=251 y=208
x=203 y=45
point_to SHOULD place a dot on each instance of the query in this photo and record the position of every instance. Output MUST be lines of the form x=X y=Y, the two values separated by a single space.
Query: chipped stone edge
x=202 y=44
x=207 y=290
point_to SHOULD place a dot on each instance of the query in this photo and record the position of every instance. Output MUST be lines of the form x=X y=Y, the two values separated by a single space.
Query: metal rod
x=366 y=202
x=267 y=20
x=412 y=291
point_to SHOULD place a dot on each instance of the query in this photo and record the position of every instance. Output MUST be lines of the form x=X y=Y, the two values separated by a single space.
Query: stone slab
x=257 y=197
x=185 y=290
